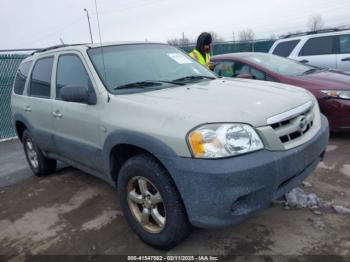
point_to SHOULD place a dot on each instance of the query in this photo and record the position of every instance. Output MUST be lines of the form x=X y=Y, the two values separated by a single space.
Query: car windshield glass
x=280 y=65
x=121 y=65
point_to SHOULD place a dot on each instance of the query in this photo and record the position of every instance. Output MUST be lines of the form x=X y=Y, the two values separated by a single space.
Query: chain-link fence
x=234 y=47
x=8 y=67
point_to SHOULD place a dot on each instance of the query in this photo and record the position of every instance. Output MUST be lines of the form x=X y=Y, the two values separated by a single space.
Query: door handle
x=304 y=61
x=28 y=109
x=346 y=59
x=57 y=114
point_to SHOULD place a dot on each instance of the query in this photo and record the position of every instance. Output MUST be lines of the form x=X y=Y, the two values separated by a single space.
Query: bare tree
x=246 y=35
x=315 y=23
x=273 y=37
x=179 y=41
x=216 y=38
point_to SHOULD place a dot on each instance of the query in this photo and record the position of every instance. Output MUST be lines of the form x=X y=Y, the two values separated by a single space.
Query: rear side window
x=344 y=44
x=41 y=78
x=285 y=48
x=318 y=46
x=71 y=72
x=21 y=77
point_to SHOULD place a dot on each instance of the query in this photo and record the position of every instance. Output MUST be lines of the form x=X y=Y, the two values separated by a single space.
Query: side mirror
x=245 y=76
x=78 y=94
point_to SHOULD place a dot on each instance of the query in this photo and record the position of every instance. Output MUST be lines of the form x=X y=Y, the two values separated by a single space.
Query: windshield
x=129 y=66
x=280 y=65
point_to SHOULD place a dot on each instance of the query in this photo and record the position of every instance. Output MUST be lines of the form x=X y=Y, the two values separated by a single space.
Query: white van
x=327 y=48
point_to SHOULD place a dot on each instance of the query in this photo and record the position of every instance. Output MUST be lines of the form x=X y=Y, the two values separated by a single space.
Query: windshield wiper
x=194 y=77
x=147 y=83
x=313 y=70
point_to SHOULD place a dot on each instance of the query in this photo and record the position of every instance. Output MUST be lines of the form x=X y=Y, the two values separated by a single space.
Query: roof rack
x=320 y=31
x=54 y=47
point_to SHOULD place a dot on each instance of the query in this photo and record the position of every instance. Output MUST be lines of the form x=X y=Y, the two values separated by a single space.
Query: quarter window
x=285 y=48
x=71 y=72
x=41 y=78
x=318 y=46
x=344 y=44
x=21 y=77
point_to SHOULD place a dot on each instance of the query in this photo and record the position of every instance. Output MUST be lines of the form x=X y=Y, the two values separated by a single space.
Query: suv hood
x=221 y=100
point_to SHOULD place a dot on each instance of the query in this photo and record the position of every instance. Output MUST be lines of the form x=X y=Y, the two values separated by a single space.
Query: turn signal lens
x=196 y=142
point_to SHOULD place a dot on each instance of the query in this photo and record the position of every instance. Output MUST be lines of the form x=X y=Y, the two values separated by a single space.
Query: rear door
x=343 y=56
x=77 y=125
x=319 y=51
x=38 y=105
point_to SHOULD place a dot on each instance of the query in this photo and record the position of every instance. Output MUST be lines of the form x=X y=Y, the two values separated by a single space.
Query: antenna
x=99 y=32
x=61 y=40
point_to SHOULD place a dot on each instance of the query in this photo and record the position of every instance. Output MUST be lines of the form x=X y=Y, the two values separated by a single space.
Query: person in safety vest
x=202 y=51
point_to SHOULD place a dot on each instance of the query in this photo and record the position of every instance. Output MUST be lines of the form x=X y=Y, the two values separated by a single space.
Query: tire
x=38 y=163
x=176 y=226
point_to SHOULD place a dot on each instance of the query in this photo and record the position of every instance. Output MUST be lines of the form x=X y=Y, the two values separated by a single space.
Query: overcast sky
x=40 y=23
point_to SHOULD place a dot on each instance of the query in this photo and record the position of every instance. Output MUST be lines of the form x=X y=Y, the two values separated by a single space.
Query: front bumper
x=221 y=192
x=337 y=112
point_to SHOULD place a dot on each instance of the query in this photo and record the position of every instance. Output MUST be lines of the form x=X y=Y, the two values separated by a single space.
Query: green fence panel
x=235 y=47
x=8 y=67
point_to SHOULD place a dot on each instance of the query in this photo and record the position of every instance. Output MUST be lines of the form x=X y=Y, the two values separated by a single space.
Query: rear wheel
x=38 y=163
x=151 y=204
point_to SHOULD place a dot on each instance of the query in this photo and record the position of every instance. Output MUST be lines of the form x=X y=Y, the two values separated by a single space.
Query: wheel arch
x=20 y=124
x=119 y=146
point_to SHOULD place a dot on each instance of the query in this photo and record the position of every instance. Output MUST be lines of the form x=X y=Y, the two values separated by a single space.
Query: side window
x=257 y=74
x=241 y=68
x=285 y=48
x=318 y=46
x=41 y=78
x=21 y=77
x=224 y=69
x=71 y=72
x=344 y=44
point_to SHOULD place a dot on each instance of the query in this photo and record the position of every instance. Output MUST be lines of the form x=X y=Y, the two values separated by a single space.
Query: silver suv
x=183 y=147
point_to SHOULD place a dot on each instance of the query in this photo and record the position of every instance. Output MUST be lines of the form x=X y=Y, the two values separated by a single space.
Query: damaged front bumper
x=222 y=192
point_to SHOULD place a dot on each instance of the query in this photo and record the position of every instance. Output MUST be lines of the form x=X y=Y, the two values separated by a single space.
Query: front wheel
x=151 y=203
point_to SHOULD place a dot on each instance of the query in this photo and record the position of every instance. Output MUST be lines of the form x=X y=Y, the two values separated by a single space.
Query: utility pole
x=88 y=18
x=233 y=37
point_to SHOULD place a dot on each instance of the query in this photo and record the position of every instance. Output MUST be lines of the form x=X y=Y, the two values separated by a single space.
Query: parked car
x=326 y=49
x=332 y=89
x=183 y=147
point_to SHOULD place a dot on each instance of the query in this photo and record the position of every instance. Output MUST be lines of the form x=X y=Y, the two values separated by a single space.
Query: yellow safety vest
x=196 y=55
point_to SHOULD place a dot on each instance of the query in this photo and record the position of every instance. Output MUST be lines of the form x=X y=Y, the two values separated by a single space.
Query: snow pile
x=298 y=198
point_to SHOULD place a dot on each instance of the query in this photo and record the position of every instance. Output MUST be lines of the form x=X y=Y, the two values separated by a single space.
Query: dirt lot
x=73 y=213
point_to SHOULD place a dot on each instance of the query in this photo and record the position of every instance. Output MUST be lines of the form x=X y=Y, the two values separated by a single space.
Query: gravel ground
x=71 y=212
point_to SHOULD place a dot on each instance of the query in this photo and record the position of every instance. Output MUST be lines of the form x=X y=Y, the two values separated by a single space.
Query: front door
x=77 y=131
x=343 y=57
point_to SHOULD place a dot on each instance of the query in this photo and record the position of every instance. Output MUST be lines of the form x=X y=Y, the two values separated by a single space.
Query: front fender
x=148 y=143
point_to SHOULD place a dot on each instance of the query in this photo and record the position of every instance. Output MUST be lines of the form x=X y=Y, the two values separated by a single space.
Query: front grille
x=294 y=126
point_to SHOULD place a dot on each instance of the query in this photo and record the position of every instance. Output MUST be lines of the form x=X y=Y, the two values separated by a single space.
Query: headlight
x=223 y=140
x=337 y=94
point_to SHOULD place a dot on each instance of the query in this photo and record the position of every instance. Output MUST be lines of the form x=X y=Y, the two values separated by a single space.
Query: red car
x=331 y=88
